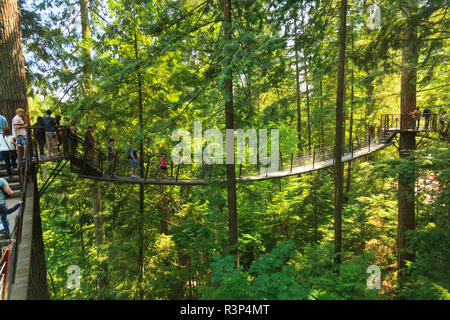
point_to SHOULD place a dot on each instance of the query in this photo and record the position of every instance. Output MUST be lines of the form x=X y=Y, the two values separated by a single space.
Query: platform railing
x=399 y=122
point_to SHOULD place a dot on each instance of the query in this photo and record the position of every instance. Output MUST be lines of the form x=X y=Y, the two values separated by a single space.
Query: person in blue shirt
x=426 y=114
x=133 y=156
x=4 y=211
x=3 y=122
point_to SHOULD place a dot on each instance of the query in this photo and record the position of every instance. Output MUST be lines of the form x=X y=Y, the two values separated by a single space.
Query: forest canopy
x=321 y=72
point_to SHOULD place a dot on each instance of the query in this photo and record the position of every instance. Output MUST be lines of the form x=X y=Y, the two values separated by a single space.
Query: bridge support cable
x=52 y=177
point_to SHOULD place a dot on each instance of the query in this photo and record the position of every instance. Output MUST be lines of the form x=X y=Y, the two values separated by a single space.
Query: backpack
x=134 y=153
x=5 y=193
x=49 y=122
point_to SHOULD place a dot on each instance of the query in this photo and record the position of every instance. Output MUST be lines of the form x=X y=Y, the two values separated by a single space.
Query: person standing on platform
x=58 y=132
x=133 y=156
x=39 y=134
x=427 y=115
x=416 y=117
x=111 y=158
x=163 y=167
x=50 y=133
x=73 y=138
x=7 y=150
x=89 y=147
x=18 y=126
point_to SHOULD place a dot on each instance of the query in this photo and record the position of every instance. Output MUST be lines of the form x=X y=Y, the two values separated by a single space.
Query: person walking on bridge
x=426 y=114
x=18 y=125
x=111 y=158
x=7 y=150
x=50 y=133
x=133 y=156
x=163 y=167
x=416 y=117
x=73 y=138
x=89 y=147
x=39 y=134
x=4 y=211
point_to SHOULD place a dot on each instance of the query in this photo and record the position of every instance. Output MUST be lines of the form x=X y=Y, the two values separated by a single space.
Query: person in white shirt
x=7 y=150
x=442 y=119
x=18 y=130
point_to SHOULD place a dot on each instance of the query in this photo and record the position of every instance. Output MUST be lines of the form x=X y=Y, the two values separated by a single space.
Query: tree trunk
x=97 y=215
x=370 y=101
x=406 y=180
x=229 y=123
x=85 y=48
x=350 y=139
x=322 y=132
x=349 y=165
x=141 y=174
x=163 y=201
x=339 y=168
x=297 y=88
x=307 y=102
x=13 y=88
x=97 y=208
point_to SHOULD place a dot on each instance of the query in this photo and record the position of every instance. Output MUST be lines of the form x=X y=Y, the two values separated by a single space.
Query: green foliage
x=285 y=225
x=272 y=277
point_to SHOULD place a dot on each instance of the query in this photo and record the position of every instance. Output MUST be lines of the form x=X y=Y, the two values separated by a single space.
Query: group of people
x=48 y=133
x=416 y=114
x=132 y=156
x=13 y=142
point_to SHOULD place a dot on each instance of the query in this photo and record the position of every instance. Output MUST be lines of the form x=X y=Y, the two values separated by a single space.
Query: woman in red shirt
x=163 y=167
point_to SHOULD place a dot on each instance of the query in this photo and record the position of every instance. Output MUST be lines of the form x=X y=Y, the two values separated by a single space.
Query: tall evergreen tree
x=13 y=88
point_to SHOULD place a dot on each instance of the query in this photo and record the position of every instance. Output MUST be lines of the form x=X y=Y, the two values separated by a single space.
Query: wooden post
x=171 y=168
x=292 y=158
x=115 y=162
x=351 y=146
x=7 y=257
x=178 y=169
x=146 y=170
x=314 y=157
x=65 y=141
x=369 y=141
x=334 y=154
x=281 y=160
x=203 y=170
x=210 y=171
x=240 y=171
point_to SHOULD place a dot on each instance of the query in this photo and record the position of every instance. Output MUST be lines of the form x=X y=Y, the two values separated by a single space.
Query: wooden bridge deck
x=408 y=130
x=153 y=181
x=271 y=175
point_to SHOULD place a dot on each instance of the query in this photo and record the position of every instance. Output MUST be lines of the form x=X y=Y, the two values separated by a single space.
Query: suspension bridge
x=22 y=260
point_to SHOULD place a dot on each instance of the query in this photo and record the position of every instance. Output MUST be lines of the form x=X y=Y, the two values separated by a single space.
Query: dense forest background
x=138 y=70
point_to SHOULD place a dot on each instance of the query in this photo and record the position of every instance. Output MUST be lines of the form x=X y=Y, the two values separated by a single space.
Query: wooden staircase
x=84 y=168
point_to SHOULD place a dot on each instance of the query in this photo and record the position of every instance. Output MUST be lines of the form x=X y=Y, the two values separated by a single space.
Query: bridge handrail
x=402 y=121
